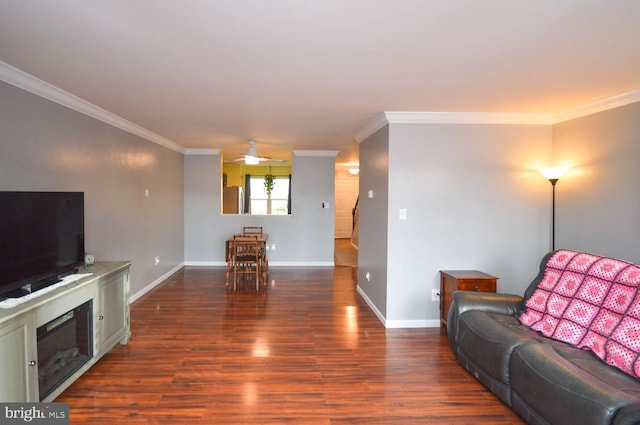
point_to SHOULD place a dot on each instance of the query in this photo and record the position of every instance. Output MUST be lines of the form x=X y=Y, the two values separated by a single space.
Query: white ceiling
x=309 y=74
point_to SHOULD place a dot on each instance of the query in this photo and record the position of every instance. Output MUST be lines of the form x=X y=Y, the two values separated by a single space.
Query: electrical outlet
x=435 y=295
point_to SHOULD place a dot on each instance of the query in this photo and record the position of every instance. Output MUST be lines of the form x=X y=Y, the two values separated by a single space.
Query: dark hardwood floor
x=305 y=349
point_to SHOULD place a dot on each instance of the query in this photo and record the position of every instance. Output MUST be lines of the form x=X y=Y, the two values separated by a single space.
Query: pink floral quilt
x=591 y=302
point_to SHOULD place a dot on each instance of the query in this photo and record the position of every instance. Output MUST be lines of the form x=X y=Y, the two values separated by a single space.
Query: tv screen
x=41 y=238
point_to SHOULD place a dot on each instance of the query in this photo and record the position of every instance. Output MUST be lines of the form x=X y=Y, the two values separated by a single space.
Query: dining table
x=262 y=242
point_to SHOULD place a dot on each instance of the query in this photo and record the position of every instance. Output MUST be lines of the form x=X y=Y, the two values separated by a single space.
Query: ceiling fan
x=251 y=157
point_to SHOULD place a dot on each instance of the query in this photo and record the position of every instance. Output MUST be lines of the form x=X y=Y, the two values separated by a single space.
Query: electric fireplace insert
x=64 y=345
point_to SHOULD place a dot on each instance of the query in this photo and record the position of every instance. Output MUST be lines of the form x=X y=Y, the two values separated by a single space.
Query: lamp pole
x=553 y=213
x=553 y=175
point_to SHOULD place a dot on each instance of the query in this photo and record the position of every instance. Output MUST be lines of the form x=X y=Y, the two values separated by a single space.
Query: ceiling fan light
x=251 y=160
x=354 y=171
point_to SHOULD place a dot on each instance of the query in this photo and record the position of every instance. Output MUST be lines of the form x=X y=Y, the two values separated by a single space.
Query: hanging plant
x=269 y=182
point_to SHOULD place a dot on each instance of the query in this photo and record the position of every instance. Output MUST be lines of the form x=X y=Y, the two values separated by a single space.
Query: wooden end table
x=464 y=280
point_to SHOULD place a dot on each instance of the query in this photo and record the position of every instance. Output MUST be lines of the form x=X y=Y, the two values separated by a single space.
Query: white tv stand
x=107 y=287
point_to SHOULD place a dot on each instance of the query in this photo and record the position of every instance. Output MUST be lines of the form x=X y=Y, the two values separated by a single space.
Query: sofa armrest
x=463 y=301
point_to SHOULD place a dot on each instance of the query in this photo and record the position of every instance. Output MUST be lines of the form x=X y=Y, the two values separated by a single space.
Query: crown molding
x=467 y=118
x=41 y=88
x=315 y=153
x=193 y=151
x=21 y=79
x=392 y=117
x=599 y=105
x=372 y=126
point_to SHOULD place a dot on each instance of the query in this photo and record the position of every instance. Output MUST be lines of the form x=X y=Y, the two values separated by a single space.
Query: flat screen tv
x=41 y=239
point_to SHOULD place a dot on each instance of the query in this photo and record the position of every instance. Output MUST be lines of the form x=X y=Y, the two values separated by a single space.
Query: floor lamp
x=553 y=175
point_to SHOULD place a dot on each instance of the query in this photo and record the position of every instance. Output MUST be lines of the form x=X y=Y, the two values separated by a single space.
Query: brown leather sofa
x=543 y=380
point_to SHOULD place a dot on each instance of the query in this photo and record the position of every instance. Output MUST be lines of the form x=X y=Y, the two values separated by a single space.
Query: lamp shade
x=553 y=173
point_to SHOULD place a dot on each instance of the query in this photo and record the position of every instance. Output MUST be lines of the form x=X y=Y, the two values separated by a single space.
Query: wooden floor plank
x=305 y=348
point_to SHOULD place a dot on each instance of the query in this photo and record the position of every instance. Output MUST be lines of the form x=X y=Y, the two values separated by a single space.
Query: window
x=243 y=189
x=273 y=204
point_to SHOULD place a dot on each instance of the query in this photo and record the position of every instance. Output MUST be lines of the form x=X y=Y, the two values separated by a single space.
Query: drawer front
x=477 y=285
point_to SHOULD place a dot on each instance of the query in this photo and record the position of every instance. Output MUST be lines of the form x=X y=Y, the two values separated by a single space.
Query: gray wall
x=474 y=200
x=45 y=146
x=303 y=238
x=473 y=196
x=203 y=239
x=598 y=200
x=373 y=220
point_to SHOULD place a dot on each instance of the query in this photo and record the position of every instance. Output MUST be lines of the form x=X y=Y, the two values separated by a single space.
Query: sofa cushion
x=591 y=302
x=485 y=344
x=564 y=385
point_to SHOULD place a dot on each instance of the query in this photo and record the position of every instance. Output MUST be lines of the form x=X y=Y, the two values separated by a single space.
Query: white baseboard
x=372 y=306
x=271 y=263
x=397 y=324
x=155 y=283
x=205 y=263
x=405 y=324
x=302 y=263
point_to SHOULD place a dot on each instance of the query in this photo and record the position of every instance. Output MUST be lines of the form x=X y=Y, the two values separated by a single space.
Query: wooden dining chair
x=249 y=230
x=257 y=230
x=244 y=258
